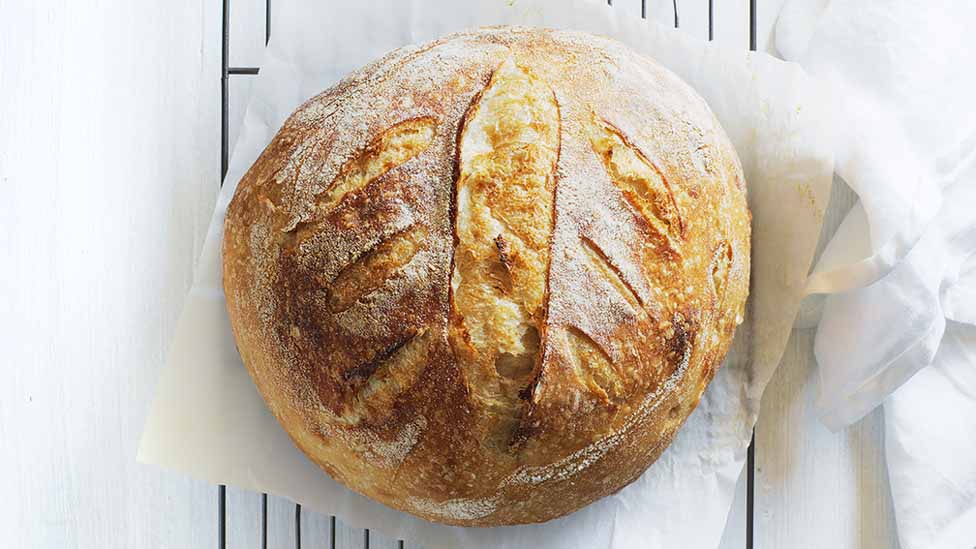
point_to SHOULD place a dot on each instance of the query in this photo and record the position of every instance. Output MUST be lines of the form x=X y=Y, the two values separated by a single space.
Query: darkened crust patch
x=369 y=271
x=365 y=371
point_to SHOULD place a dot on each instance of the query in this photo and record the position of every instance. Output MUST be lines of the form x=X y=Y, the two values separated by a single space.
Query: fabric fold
x=904 y=143
x=898 y=325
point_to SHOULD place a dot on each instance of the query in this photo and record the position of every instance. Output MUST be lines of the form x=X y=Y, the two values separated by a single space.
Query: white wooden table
x=110 y=161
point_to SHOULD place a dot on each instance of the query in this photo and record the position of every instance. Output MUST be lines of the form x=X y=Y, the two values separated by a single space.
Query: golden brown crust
x=486 y=279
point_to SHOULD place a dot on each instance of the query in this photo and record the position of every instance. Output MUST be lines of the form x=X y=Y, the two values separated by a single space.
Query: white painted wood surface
x=109 y=142
x=109 y=169
x=244 y=519
x=815 y=488
x=316 y=530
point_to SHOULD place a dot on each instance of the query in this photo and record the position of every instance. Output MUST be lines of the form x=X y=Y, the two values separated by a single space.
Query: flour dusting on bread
x=486 y=279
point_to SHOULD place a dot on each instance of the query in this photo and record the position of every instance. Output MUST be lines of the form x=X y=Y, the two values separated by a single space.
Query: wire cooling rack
x=228 y=72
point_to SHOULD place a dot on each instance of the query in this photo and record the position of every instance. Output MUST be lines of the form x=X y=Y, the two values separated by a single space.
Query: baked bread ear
x=486 y=279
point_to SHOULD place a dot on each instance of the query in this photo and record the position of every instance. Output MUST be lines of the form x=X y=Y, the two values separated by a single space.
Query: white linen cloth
x=900 y=324
x=209 y=421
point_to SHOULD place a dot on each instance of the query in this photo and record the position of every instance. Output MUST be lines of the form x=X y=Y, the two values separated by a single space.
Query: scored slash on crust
x=592 y=364
x=390 y=149
x=508 y=149
x=641 y=182
x=601 y=263
x=720 y=270
x=395 y=369
x=373 y=268
x=387 y=375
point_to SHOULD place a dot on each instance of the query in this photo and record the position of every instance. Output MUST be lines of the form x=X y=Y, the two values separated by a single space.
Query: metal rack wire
x=228 y=71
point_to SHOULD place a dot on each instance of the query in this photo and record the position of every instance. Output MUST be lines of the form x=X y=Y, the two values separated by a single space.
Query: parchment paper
x=208 y=420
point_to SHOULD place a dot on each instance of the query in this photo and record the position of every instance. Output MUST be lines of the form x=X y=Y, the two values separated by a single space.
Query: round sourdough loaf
x=486 y=279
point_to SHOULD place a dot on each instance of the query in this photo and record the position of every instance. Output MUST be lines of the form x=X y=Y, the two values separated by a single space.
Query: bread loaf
x=486 y=279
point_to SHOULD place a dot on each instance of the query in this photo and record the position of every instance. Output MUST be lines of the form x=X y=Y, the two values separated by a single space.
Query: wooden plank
x=734 y=536
x=766 y=13
x=808 y=477
x=247 y=20
x=730 y=23
x=347 y=537
x=661 y=11
x=282 y=523
x=693 y=17
x=377 y=540
x=315 y=529
x=631 y=8
x=244 y=519
x=238 y=94
x=109 y=166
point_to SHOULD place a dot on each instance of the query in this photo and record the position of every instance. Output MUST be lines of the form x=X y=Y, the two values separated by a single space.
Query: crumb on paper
x=804 y=189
